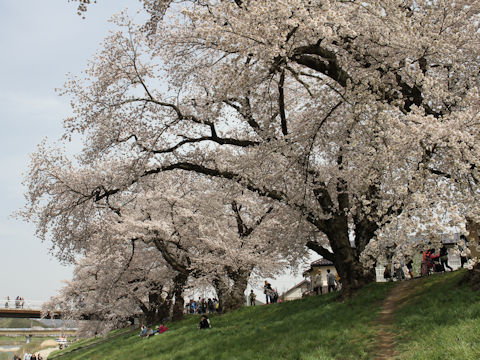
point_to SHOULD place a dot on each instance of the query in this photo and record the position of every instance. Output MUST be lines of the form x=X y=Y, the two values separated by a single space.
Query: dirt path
x=46 y=352
x=385 y=346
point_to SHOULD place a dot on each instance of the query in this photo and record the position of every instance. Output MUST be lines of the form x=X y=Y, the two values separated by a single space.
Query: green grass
x=311 y=328
x=440 y=321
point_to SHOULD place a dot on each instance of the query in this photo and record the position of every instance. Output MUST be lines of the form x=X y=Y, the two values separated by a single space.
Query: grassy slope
x=440 y=321
x=311 y=328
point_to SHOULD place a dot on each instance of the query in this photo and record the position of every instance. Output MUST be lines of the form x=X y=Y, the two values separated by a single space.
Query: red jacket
x=162 y=329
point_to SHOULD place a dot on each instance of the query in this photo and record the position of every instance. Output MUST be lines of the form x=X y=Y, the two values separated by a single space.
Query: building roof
x=321 y=262
x=317 y=263
x=299 y=285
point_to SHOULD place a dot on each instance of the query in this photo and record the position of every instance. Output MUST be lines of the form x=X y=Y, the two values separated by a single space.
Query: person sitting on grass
x=161 y=329
x=204 y=323
x=143 y=331
x=158 y=330
x=149 y=332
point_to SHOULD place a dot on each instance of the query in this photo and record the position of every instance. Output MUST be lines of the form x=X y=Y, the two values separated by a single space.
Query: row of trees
x=140 y=251
x=225 y=136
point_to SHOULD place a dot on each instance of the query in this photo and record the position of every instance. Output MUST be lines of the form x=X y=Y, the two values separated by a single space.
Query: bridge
x=37 y=331
x=29 y=309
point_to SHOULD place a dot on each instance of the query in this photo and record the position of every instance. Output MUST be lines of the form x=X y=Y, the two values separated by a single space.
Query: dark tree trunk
x=159 y=310
x=231 y=290
x=345 y=258
x=179 y=285
x=472 y=278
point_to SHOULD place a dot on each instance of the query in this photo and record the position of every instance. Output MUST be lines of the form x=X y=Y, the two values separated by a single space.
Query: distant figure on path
x=386 y=274
x=193 y=306
x=337 y=280
x=204 y=323
x=464 y=251
x=410 y=268
x=444 y=258
x=274 y=296
x=7 y=299
x=317 y=283
x=331 y=281
x=252 y=298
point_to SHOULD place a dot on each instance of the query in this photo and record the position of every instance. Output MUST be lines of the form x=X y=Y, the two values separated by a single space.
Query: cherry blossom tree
x=113 y=284
x=197 y=230
x=349 y=113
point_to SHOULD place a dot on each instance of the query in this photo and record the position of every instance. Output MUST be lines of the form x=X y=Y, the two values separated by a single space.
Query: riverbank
x=436 y=317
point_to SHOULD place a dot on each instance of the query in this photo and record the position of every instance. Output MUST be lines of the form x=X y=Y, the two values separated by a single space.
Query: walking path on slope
x=385 y=346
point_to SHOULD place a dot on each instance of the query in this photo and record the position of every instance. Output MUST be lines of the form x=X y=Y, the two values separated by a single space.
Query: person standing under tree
x=317 y=283
x=252 y=298
x=331 y=281
x=267 y=290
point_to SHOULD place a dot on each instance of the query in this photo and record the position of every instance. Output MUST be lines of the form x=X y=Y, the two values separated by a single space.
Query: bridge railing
x=21 y=304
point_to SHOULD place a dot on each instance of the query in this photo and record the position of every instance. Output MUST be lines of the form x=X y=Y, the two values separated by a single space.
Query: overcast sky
x=40 y=42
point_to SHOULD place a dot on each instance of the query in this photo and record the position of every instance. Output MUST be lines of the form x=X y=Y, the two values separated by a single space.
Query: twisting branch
x=281 y=103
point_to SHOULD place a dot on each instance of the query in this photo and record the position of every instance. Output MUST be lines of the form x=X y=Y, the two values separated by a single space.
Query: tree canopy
x=351 y=116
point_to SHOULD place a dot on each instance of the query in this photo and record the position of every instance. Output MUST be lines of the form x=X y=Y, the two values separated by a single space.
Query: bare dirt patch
x=46 y=352
x=48 y=343
x=385 y=345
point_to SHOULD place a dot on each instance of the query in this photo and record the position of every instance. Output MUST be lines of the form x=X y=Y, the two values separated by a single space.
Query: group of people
x=202 y=306
x=333 y=282
x=146 y=332
x=28 y=356
x=271 y=295
x=19 y=302
x=431 y=262
x=436 y=262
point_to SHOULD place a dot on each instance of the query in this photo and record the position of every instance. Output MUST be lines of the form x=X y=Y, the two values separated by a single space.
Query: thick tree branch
x=312 y=245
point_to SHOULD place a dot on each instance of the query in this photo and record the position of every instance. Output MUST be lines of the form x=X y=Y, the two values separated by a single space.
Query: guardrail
x=38 y=331
x=21 y=304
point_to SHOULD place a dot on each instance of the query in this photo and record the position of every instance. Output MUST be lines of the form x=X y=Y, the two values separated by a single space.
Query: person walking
x=331 y=281
x=317 y=283
x=444 y=258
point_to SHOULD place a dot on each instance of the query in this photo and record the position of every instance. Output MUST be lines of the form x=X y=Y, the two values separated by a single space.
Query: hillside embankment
x=429 y=318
